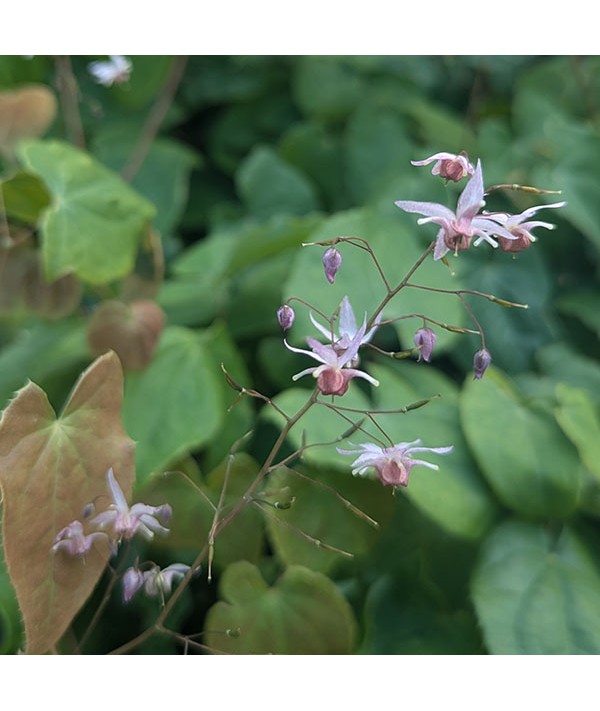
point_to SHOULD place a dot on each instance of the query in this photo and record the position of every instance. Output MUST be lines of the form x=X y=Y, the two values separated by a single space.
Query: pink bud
x=332 y=261
x=481 y=361
x=285 y=316
x=425 y=340
x=133 y=579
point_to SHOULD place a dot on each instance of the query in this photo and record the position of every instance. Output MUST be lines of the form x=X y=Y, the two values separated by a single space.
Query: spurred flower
x=334 y=375
x=115 y=70
x=481 y=362
x=156 y=582
x=72 y=540
x=425 y=340
x=448 y=165
x=458 y=229
x=392 y=464
x=347 y=329
x=332 y=261
x=125 y=522
x=520 y=227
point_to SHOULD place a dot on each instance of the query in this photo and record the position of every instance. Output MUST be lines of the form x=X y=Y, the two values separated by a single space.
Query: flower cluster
x=121 y=522
x=457 y=229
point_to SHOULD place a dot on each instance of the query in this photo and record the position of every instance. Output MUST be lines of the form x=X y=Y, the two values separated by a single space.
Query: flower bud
x=425 y=340
x=133 y=579
x=332 y=261
x=481 y=361
x=285 y=316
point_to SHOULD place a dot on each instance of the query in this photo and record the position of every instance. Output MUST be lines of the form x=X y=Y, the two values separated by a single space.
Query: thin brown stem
x=155 y=118
x=68 y=92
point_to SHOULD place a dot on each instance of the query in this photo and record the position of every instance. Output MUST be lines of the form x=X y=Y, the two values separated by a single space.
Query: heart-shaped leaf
x=26 y=112
x=303 y=613
x=50 y=468
x=95 y=221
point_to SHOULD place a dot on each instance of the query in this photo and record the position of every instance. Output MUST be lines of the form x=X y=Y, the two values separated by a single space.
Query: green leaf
x=269 y=185
x=537 y=592
x=25 y=196
x=175 y=404
x=95 y=222
x=578 y=417
x=531 y=466
x=564 y=364
x=376 y=146
x=163 y=178
x=582 y=305
x=327 y=88
x=455 y=497
x=328 y=505
x=303 y=613
x=50 y=469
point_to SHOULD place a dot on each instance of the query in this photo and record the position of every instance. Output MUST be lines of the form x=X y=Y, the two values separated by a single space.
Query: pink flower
x=520 y=227
x=393 y=464
x=448 y=165
x=126 y=522
x=347 y=329
x=458 y=229
x=115 y=70
x=156 y=582
x=72 y=540
x=333 y=376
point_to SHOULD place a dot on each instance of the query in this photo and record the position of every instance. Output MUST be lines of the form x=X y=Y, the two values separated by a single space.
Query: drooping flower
x=425 y=339
x=125 y=522
x=156 y=582
x=449 y=165
x=392 y=464
x=347 y=328
x=332 y=261
x=115 y=70
x=72 y=540
x=458 y=229
x=285 y=316
x=334 y=375
x=520 y=227
x=481 y=362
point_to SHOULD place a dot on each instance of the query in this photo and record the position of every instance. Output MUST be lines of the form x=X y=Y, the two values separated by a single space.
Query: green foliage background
x=499 y=551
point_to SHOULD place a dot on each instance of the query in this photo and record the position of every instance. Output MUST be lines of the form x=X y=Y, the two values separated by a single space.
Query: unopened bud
x=332 y=261
x=425 y=340
x=481 y=361
x=285 y=316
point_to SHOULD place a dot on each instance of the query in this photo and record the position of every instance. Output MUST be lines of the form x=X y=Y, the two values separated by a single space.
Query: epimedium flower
x=333 y=375
x=72 y=540
x=457 y=229
x=448 y=165
x=347 y=328
x=425 y=339
x=125 y=522
x=520 y=227
x=115 y=70
x=156 y=582
x=392 y=464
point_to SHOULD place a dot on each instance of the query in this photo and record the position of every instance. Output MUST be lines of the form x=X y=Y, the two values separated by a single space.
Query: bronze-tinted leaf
x=25 y=113
x=50 y=468
x=131 y=330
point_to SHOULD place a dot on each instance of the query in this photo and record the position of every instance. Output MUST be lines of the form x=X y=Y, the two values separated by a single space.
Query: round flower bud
x=481 y=361
x=332 y=261
x=285 y=316
x=425 y=340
